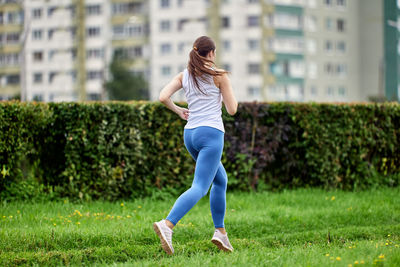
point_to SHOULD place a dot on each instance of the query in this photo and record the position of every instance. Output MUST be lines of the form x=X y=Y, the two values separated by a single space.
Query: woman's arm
x=227 y=94
x=165 y=96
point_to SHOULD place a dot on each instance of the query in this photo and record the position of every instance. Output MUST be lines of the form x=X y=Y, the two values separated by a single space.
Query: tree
x=125 y=85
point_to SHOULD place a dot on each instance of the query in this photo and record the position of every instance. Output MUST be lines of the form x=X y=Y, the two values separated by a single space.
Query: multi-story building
x=276 y=50
x=11 y=32
x=284 y=50
x=60 y=50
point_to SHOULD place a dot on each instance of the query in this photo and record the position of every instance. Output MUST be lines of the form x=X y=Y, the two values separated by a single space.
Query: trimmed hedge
x=119 y=150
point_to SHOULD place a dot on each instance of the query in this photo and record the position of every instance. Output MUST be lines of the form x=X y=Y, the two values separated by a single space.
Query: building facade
x=275 y=50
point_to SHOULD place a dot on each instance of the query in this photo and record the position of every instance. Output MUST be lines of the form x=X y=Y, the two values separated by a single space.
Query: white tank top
x=204 y=109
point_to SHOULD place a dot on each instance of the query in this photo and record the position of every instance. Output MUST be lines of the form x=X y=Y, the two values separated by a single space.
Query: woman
x=205 y=88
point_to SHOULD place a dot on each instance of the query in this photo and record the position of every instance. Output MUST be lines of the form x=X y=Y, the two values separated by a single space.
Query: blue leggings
x=205 y=145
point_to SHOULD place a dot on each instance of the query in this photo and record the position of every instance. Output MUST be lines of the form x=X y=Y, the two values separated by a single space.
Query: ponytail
x=197 y=61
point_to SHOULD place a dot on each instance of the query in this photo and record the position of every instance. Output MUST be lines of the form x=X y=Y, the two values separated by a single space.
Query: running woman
x=205 y=87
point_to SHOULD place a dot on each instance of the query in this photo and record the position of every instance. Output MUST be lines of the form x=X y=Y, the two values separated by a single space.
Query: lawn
x=304 y=227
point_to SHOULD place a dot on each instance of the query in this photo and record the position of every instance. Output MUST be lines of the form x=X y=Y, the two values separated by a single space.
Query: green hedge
x=119 y=150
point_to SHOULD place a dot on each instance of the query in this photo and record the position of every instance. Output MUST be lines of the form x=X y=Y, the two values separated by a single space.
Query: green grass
x=266 y=229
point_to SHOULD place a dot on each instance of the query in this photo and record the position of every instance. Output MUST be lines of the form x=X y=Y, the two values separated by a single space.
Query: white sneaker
x=221 y=241
x=165 y=234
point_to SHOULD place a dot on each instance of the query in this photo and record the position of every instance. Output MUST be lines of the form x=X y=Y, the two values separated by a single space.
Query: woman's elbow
x=162 y=98
x=232 y=111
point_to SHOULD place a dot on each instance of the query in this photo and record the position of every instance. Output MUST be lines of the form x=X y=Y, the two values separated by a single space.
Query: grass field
x=266 y=229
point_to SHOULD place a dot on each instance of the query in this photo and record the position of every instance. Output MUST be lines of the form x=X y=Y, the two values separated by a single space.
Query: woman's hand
x=182 y=112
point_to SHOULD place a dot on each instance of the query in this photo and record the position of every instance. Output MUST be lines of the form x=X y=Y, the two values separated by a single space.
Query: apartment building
x=284 y=50
x=60 y=50
x=11 y=30
x=275 y=50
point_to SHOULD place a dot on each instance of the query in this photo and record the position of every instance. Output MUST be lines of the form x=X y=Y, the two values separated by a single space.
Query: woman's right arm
x=227 y=94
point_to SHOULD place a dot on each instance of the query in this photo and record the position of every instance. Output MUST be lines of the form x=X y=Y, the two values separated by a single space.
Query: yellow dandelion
x=356 y=262
x=327 y=254
x=54 y=224
x=10 y=216
x=388 y=234
x=381 y=256
x=333 y=198
x=338 y=258
x=139 y=207
x=4 y=216
x=128 y=216
x=134 y=210
x=396 y=246
x=350 y=265
x=122 y=204
x=78 y=223
x=19 y=212
x=362 y=262
x=350 y=247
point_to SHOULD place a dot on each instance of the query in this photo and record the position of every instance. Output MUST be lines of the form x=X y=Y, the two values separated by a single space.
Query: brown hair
x=197 y=60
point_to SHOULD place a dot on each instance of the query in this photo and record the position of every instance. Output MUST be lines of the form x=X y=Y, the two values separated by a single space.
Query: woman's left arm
x=165 y=96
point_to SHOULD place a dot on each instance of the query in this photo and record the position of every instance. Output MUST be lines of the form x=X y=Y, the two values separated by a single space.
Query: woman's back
x=204 y=108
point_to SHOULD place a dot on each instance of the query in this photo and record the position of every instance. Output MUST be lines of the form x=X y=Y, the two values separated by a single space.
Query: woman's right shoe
x=165 y=234
x=221 y=241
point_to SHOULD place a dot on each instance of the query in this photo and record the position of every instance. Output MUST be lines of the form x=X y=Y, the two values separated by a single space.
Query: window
x=253 y=68
x=252 y=1
x=340 y=25
x=51 y=54
x=329 y=24
x=38 y=97
x=341 y=70
x=93 y=31
x=12 y=38
x=227 y=67
x=181 y=47
x=93 y=10
x=50 y=33
x=38 y=56
x=166 y=70
x=37 y=34
x=12 y=79
x=253 y=44
x=37 y=13
x=329 y=91
x=311 y=46
x=94 y=96
x=51 y=76
x=51 y=10
x=95 y=53
x=94 y=75
x=341 y=46
x=253 y=21
x=312 y=70
x=341 y=3
x=164 y=3
x=38 y=77
x=165 y=26
x=253 y=91
x=127 y=8
x=342 y=91
x=329 y=69
x=226 y=44
x=313 y=91
x=328 y=2
x=311 y=23
x=328 y=46
x=225 y=21
x=165 y=48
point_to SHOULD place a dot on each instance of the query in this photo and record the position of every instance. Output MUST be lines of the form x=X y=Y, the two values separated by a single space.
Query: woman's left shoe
x=221 y=241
